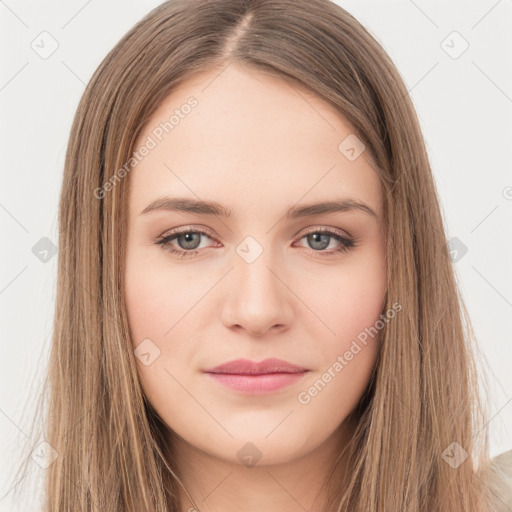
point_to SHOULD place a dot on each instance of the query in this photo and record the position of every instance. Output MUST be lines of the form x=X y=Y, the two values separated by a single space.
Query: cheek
x=157 y=302
x=350 y=304
x=163 y=305
x=158 y=298
x=356 y=304
x=352 y=310
x=351 y=299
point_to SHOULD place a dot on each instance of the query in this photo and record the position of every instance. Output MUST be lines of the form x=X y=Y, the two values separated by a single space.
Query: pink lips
x=256 y=378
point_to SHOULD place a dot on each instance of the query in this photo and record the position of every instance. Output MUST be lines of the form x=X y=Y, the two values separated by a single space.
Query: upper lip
x=247 y=367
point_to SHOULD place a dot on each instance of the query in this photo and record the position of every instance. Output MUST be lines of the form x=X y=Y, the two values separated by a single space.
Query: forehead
x=238 y=135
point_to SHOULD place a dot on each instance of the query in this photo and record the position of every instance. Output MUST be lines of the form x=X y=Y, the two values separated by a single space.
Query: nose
x=258 y=299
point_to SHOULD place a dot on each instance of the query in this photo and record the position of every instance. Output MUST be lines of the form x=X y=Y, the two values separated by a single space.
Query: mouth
x=257 y=378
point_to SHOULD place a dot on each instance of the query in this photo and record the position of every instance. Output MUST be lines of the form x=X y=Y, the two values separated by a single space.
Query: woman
x=256 y=306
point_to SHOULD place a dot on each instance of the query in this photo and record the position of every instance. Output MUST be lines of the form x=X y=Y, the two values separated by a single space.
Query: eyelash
x=346 y=242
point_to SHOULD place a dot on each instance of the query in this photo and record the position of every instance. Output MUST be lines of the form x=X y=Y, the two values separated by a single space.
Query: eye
x=320 y=239
x=189 y=241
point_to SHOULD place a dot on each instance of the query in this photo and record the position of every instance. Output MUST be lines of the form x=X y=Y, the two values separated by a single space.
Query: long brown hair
x=423 y=397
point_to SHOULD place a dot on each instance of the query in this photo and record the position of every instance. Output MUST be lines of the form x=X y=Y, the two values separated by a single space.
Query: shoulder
x=501 y=477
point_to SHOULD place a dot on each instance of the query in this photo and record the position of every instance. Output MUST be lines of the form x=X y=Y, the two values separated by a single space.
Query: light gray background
x=465 y=109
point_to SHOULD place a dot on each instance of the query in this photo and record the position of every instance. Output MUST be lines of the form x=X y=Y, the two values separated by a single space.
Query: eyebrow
x=213 y=208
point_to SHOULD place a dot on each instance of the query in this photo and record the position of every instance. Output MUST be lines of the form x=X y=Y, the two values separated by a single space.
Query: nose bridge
x=259 y=299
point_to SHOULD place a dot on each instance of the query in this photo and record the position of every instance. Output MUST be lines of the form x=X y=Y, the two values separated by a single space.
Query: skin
x=258 y=146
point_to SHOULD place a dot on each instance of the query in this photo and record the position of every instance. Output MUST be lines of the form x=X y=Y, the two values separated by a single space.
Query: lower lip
x=257 y=384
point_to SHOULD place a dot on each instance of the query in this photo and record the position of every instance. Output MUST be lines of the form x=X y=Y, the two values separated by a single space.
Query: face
x=253 y=271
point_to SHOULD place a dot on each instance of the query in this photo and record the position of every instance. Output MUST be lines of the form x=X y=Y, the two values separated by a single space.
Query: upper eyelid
x=181 y=231
x=337 y=231
x=207 y=232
